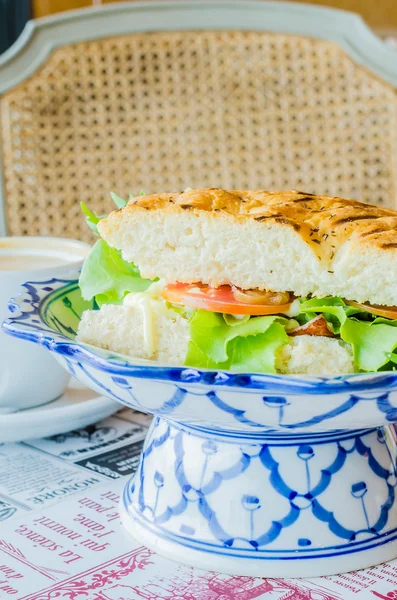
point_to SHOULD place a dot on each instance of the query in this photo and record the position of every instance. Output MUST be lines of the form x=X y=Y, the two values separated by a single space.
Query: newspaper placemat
x=60 y=535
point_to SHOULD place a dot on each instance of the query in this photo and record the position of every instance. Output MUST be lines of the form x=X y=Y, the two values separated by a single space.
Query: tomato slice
x=389 y=312
x=227 y=299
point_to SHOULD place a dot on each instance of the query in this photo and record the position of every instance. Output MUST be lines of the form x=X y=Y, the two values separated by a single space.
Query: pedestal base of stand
x=268 y=504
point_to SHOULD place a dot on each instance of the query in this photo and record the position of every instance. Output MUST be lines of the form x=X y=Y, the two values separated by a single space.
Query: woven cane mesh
x=163 y=111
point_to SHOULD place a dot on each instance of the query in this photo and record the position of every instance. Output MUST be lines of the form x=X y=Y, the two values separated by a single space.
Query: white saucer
x=77 y=408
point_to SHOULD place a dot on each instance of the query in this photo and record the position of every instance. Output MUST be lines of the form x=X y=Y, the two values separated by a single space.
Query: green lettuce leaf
x=393 y=359
x=119 y=202
x=180 y=309
x=372 y=343
x=232 y=320
x=334 y=310
x=250 y=345
x=108 y=277
x=91 y=218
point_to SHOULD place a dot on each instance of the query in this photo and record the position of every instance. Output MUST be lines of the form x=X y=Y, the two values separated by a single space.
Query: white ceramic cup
x=29 y=375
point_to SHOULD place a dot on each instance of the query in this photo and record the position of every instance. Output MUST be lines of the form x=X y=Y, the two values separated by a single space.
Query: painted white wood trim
x=41 y=36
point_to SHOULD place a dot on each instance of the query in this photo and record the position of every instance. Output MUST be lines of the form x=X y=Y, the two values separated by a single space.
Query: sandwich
x=246 y=281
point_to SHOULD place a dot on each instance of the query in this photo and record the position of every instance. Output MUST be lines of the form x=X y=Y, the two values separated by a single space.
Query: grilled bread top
x=320 y=220
x=301 y=242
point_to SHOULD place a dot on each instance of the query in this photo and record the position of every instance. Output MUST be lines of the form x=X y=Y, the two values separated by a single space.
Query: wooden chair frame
x=40 y=37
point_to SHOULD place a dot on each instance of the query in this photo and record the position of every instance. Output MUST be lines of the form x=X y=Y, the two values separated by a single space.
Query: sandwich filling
x=236 y=329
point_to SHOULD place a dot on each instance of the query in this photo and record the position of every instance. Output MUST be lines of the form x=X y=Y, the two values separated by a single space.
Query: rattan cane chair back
x=170 y=109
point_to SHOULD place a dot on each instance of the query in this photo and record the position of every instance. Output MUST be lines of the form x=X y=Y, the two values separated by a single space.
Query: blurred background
x=109 y=109
x=381 y=15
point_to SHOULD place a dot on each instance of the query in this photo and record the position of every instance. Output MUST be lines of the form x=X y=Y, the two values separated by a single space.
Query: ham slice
x=317 y=326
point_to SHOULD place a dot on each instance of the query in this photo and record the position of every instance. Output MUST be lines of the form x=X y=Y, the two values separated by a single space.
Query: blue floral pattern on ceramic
x=172 y=501
x=247 y=473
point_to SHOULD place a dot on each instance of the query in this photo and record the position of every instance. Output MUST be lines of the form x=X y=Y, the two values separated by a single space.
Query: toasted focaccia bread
x=281 y=241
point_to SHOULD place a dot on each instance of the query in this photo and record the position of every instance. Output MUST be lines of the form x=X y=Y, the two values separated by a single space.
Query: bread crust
x=285 y=240
x=324 y=222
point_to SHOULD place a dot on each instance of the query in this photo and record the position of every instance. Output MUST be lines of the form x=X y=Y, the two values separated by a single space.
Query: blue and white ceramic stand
x=263 y=475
